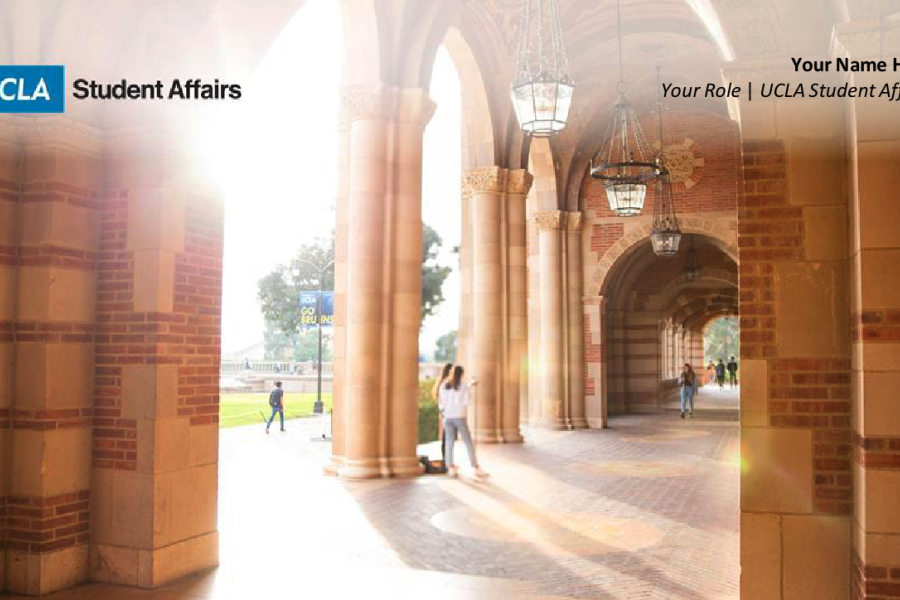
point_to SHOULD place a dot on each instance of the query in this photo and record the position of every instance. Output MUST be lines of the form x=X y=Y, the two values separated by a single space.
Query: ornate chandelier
x=692 y=265
x=623 y=162
x=541 y=88
x=665 y=235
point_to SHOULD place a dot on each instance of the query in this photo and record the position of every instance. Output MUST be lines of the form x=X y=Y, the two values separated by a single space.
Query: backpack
x=273 y=398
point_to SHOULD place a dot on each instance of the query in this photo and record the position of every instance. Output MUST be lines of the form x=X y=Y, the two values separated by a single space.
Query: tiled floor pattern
x=647 y=509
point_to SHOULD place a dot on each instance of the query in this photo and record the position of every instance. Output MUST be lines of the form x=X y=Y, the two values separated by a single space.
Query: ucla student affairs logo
x=32 y=89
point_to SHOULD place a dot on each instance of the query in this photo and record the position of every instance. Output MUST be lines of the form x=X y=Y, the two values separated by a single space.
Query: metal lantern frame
x=624 y=162
x=665 y=234
x=692 y=265
x=541 y=89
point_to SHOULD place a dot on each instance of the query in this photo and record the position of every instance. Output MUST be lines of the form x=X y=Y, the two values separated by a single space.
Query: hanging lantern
x=541 y=88
x=692 y=265
x=624 y=162
x=665 y=235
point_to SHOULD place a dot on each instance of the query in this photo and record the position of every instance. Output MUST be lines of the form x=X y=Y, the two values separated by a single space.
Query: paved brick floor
x=647 y=509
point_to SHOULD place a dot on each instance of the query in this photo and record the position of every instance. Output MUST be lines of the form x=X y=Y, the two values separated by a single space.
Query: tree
x=722 y=340
x=279 y=296
x=433 y=275
x=279 y=291
x=445 y=347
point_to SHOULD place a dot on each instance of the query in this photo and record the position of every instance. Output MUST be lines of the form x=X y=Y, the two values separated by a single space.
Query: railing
x=282 y=367
x=273 y=366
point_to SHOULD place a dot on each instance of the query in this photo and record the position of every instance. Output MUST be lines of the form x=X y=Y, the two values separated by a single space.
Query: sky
x=273 y=156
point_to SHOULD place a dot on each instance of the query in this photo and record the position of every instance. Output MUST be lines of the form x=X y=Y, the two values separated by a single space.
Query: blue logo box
x=32 y=89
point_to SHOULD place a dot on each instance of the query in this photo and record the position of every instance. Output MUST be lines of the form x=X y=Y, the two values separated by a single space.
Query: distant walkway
x=711 y=402
x=647 y=509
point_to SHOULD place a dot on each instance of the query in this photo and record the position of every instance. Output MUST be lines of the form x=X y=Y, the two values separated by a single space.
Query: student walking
x=454 y=399
x=435 y=393
x=688 y=384
x=720 y=374
x=276 y=401
x=732 y=368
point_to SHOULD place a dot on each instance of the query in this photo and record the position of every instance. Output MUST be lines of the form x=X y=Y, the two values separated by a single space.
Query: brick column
x=595 y=384
x=796 y=486
x=49 y=477
x=379 y=278
x=10 y=185
x=154 y=489
x=874 y=151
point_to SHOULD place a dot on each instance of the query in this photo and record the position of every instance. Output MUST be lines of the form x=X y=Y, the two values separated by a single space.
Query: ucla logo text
x=32 y=89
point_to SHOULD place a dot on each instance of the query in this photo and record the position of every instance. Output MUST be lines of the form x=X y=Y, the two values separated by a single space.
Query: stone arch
x=717 y=275
x=722 y=235
x=478 y=139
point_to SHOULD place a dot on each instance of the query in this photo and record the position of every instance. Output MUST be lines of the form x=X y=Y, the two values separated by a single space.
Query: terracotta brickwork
x=46 y=524
x=815 y=394
x=603 y=236
x=875 y=582
x=189 y=336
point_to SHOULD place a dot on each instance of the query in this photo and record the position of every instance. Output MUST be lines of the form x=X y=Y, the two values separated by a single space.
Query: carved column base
x=374 y=468
x=578 y=423
x=488 y=436
x=512 y=436
x=552 y=423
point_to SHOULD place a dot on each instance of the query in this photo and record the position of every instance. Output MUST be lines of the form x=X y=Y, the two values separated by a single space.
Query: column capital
x=551 y=219
x=519 y=181
x=484 y=179
x=574 y=221
x=365 y=102
x=414 y=105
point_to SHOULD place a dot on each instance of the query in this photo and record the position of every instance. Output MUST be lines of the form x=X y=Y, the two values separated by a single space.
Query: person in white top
x=454 y=399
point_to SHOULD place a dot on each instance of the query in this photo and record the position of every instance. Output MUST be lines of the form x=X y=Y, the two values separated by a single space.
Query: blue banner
x=32 y=89
x=310 y=309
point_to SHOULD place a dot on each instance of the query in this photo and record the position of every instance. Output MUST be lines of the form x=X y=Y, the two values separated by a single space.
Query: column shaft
x=486 y=302
x=575 y=326
x=382 y=276
x=552 y=352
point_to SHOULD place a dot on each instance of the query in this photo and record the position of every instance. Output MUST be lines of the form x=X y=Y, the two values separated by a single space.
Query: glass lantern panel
x=563 y=103
x=544 y=102
x=522 y=98
x=626 y=199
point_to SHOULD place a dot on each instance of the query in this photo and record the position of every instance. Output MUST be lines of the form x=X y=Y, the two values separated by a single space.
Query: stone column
x=47 y=309
x=574 y=324
x=552 y=354
x=485 y=187
x=595 y=368
x=155 y=439
x=414 y=110
x=795 y=347
x=518 y=183
x=382 y=281
x=873 y=149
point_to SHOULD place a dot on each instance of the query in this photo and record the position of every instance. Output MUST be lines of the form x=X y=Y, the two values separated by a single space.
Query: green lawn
x=243 y=409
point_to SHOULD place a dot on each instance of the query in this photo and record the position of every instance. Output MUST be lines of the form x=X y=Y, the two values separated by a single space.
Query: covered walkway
x=645 y=509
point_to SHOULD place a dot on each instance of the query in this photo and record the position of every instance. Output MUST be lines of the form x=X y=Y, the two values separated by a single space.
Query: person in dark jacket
x=276 y=401
x=720 y=374
x=732 y=368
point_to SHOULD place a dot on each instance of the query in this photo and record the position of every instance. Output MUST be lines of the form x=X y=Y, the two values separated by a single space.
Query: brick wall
x=714 y=182
x=43 y=524
x=188 y=337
